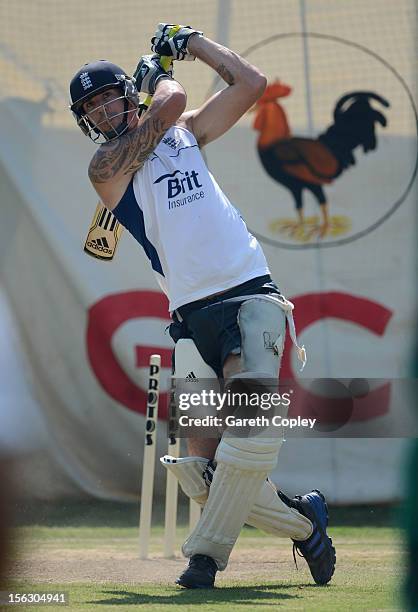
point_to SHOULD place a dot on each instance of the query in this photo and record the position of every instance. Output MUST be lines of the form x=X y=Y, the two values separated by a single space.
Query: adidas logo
x=100 y=244
x=192 y=377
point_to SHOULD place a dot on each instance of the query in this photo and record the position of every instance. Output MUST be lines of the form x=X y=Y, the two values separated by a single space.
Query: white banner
x=339 y=128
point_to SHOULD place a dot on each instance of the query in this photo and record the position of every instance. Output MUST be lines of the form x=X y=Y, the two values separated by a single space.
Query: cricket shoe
x=199 y=574
x=317 y=549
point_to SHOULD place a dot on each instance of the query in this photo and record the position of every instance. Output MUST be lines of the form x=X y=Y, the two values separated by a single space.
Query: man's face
x=106 y=110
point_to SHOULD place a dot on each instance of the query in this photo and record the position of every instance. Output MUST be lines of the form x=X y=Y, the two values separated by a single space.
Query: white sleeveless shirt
x=197 y=242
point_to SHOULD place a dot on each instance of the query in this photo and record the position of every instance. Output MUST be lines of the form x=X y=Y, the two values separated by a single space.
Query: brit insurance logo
x=182 y=188
x=326 y=155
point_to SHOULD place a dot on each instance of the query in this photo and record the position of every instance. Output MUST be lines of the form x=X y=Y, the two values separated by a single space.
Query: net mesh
x=361 y=44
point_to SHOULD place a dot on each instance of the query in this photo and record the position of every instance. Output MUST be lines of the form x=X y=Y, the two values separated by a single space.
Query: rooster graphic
x=306 y=163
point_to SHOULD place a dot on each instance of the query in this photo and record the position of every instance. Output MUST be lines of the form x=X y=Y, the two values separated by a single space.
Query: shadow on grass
x=98 y=513
x=253 y=595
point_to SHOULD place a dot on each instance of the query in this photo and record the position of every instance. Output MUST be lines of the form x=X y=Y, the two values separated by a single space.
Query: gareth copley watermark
x=233 y=421
x=342 y=408
x=268 y=402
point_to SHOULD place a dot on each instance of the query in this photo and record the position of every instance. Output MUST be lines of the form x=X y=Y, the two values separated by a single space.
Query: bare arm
x=114 y=162
x=245 y=85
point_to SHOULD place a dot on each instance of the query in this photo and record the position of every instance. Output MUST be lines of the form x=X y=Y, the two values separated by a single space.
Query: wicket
x=148 y=465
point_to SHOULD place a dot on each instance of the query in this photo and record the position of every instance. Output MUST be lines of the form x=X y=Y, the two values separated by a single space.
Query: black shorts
x=213 y=322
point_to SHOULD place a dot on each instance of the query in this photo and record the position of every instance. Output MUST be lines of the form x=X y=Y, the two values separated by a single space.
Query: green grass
x=261 y=596
x=368 y=575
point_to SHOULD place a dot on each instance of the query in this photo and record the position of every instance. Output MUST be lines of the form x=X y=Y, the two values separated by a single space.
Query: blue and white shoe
x=317 y=549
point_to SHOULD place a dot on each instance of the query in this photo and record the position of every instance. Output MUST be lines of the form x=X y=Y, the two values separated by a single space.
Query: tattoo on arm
x=225 y=74
x=143 y=141
x=128 y=153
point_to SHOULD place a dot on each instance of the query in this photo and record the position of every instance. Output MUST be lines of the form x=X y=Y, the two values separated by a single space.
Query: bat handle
x=165 y=61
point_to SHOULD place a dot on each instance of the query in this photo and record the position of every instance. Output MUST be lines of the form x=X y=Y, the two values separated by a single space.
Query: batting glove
x=149 y=72
x=176 y=46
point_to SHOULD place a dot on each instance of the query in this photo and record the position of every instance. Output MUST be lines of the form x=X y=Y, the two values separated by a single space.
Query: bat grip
x=165 y=61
